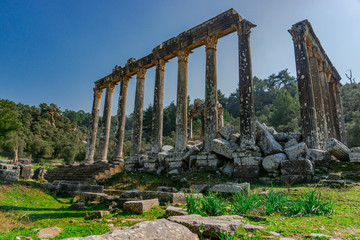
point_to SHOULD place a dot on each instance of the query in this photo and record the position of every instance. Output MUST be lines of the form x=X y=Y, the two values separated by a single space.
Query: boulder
x=200 y=188
x=228 y=169
x=147 y=230
x=297 y=151
x=227 y=131
x=272 y=162
x=281 y=137
x=223 y=147
x=9 y=175
x=354 y=155
x=297 y=167
x=338 y=149
x=290 y=143
x=231 y=188
x=39 y=173
x=193 y=150
x=26 y=171
x=266 y=141
x=49 y=232
x=319 y=156
x=175 y=211
x=209 y=227
x=140 y=206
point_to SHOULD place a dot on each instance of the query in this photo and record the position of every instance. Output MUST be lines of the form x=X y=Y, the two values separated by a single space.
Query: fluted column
x=158 y=113
x=340 y=113
x=181 y=101
x=90 y=149
x=121 y=117
x=106 y=121
x=318 y=98
x=138 y=113
x=247 y=115
x=211 y=118
x=325 y=93
x=306 y=93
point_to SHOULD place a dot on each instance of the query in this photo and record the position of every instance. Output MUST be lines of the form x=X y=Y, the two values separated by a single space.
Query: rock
x=319 y=156
x=167 y=148
x=160 y=170
x=97 y=215
x=296 y=151
x=148 y=230
x=90 y=196
x=296 y=136
x=338 y=149
x=252 y=228
x=290 y=143
x=334 y=183
x=235 y=138
x=266 y=141
x=248 y=161
x=223 y=147
x=140 y=206
x=26 y=171
x=231 y=188
x=270 y=129
x=354 y=155
x=246 y=172
x=131 y=194
x=281 y=137
x=166 y=189
x=228 y=169
x=294 y=179
x=49 y=232
x=39 y=173
x=9 y=175
x=297 y=167
x=78 y=205
x=193 y=150
x=227 y=131
x=174 y=172
x=272 y=162
x=175 y=211
x=209 y=226
x=335 y=176
x=200 y=188
x=319 y=236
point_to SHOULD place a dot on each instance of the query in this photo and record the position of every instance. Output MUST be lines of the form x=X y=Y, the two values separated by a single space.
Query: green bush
x=193 y=204
x=309 y=204
x=275 y=202
x=213 y=205
x=242 y=202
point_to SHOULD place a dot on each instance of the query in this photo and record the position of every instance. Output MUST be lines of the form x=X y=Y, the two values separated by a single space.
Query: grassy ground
x=26 y=206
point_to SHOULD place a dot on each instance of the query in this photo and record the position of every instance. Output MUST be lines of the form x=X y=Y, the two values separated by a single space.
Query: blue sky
x=53 y=51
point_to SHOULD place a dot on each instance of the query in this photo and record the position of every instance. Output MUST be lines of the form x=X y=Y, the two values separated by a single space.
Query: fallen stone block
x=228 y=169
x=200 y=188
x=246 y=172
x=297 y=151
x=147 y=230
x=193 y=150
x=97 y=215
x=90 y=196
x=209 y=227
x=9 y=175
x=227 y=131
x=231 y=188
x=248 y=161
x=354 y=155
x=319 y=156
x=334 y=183
x=223 y=147
x=140 y=206
x=281 y=137
x=335 y=176
x=295 y=179
x=297 y=167
x=49 y=232
x=266 y=141
x=272 y=162
x=338 y=149
x=26 y=171
x=167 y=148
x=110 y=200
x=175 y=211
x=290 y=143
x=134 y=193
x=166 y=189
x=39 y=173
x=252 y=228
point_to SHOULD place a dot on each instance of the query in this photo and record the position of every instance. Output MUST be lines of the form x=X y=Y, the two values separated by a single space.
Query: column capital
x=111 y=86
x=183 y=55
x=141 y=73
x=244 y=27
x=160 y=64
x=211 y=42
x=298 y=34
x=125 y=79
x=98 y=92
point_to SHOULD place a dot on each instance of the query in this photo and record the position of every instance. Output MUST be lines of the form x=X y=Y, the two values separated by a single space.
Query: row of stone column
x=211 y=117
x=319 y=94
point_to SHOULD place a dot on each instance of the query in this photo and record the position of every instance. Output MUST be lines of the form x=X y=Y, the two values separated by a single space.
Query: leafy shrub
x=309 y=204
x=242 y=202
x=213 y=205
x=193 y=204
x=275 y=202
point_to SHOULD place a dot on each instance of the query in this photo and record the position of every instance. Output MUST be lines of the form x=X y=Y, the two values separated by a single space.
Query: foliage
x=275 y=202
x=243 y=202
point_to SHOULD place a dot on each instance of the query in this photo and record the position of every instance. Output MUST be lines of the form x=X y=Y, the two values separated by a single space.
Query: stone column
x=340 y=113
x=318 y=98
x=220 y=118
x=181 y=102
x=106 y=121
x=306 y=94
x=138 y=113
x=158 y=110
x=247 y=115
x=121 y=118
x=190 y=122
x=325 y=93
x=333 y=108
x=90 y=149
x=211 y=114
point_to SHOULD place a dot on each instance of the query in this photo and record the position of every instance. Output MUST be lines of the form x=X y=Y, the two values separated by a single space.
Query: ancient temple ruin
x=256 y=152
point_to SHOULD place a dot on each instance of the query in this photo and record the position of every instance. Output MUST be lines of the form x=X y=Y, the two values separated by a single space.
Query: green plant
x=213 y=205
x=193 y=204
x=275 y=202
x=242 y=202
x=309 y=204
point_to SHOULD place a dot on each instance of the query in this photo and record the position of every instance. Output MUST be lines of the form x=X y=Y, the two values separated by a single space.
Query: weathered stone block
x=90 y=196
x=266 y=141
x=272 y=162
x=354 y=155
x=319 y=156
x=26 y=172
x=167 y=148
x=9 y=175
x=244 y=172
x=295 y=179
x=228 y=169
x=281 y=137
x=296 y=151
x=193 y=150
x=227 y=131
x=209 y=227
x=338 y=149
x=39 y=173
x=297 y=167
x=223 y=147
x=231 y=188
x=290 y=143
x=140 y=206
x=235 y=138
x=175 y=211
x=200 y=188
x=251 y=161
